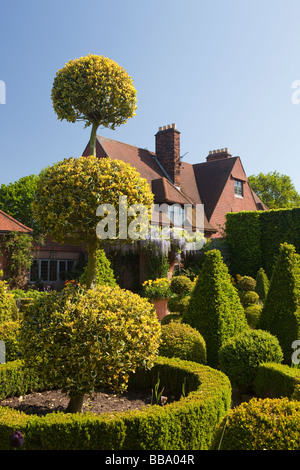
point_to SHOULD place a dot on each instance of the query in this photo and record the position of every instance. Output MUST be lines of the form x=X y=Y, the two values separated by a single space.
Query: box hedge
x=188 y=423
x=274 y=380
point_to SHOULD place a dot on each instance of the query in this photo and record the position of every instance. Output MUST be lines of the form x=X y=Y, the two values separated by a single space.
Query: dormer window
x=238 y=188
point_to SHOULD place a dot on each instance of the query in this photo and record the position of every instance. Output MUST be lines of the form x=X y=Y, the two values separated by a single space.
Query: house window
x=176 y=215
x=238 y=188
x=48 y=270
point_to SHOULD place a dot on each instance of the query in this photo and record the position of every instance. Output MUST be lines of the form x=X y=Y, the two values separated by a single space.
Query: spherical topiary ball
x=246 y=283
x=241 y=355
x=182 y=341
x=181 y=285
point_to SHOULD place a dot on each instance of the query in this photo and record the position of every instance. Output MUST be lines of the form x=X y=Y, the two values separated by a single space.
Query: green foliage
x=178 y=305
x=215 y=309
x=182 y=425
x=94 y=89
x=181 y=285
x=281 y=311
x=251 y=249
x=261 y=424
x=253 y=312
x=249 y=297
x=69 y=193
x=9 y=333
x=105 y=274
x=246 y=283
x=16 y=199
x=17 y=248
x=275 y=190
x=241 y=355
x=8 y=306
x=244 y=244
x=262 y=284
x=274 y=380
x=172 y=317
x=182 y=341
x=86 y=338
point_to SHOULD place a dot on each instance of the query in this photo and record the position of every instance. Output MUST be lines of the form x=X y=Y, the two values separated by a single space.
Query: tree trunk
x=75 y=404
x=91 y=276
x=93 y=139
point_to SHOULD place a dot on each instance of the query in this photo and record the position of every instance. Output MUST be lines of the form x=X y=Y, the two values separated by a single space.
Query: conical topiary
x=105 y=274
x=262 y=284
x=214 y=308
x=281 y=311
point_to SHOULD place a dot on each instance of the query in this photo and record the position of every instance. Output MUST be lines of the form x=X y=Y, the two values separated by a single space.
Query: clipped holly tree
x=96 y=90
x=80 y=339
x=69 y=193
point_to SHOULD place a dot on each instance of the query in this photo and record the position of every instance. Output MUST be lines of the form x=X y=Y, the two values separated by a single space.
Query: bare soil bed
x=42 y=403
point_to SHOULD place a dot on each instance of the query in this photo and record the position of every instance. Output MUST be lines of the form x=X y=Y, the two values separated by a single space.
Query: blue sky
x=222 y=70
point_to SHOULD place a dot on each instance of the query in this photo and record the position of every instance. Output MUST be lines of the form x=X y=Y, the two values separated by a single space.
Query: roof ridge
x=124 y=143
x=14 y=220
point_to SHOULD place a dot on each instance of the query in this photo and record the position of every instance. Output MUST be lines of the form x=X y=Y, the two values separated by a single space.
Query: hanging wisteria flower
x=16 y=440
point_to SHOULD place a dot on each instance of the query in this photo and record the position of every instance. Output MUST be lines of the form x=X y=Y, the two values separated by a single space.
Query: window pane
x=34 y=271
x=53 y=270
x=62 y=269
x=238 y=188
x=44 y=270
x=70 y=266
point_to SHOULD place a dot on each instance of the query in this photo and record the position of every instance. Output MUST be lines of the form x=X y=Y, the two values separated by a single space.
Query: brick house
x=220 y=183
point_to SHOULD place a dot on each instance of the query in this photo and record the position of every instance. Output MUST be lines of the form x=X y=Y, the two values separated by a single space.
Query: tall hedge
x=281 y=311
x=214 y=308
x=254 y=238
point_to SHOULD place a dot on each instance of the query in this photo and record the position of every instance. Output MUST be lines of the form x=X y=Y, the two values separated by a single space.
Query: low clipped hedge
x=260 y=424
x=188 y=423
x=276 y=380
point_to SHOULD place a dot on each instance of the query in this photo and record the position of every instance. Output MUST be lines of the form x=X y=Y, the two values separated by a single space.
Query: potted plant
x=158 y=293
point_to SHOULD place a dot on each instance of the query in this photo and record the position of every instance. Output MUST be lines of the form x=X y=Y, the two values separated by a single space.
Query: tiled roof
x=9 y=224
x=147 y=165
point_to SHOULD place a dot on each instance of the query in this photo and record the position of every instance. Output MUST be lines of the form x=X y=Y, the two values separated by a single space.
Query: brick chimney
x=218 y=155
x=167 y=149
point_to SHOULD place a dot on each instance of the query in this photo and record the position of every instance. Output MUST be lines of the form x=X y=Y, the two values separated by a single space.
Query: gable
x=9 y=224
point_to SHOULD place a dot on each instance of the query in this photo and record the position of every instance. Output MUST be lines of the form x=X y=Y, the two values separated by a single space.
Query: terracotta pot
x=161 y=307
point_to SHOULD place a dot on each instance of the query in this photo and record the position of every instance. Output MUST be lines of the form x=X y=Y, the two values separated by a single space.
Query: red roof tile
x=9 y=224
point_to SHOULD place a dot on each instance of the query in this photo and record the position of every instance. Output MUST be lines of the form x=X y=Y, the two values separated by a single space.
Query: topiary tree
x=80 y=339
x=96 y=90
x=247 y=294
x=240 y=356
x=215 y=309
x=181 y=287
x=105 y=274
x=182 y=341
x=69 y=193
x=281 y=311
x=262 y=284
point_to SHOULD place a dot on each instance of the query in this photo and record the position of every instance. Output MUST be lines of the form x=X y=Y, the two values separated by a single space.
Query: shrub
x=253 y=313
x=274 y=380
x=8 y=306
x=86 y=338
x=182 y=341
x=172 y=317
x=248 y=297
x=9 y=333
x=246 y=283
x=178 y=305
x=261 y=424
x=214 y=308
x=105 y=274
x=262 y=284
x=181 y=285
x=281 y=311
x=241 y=355
x=186 y=424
